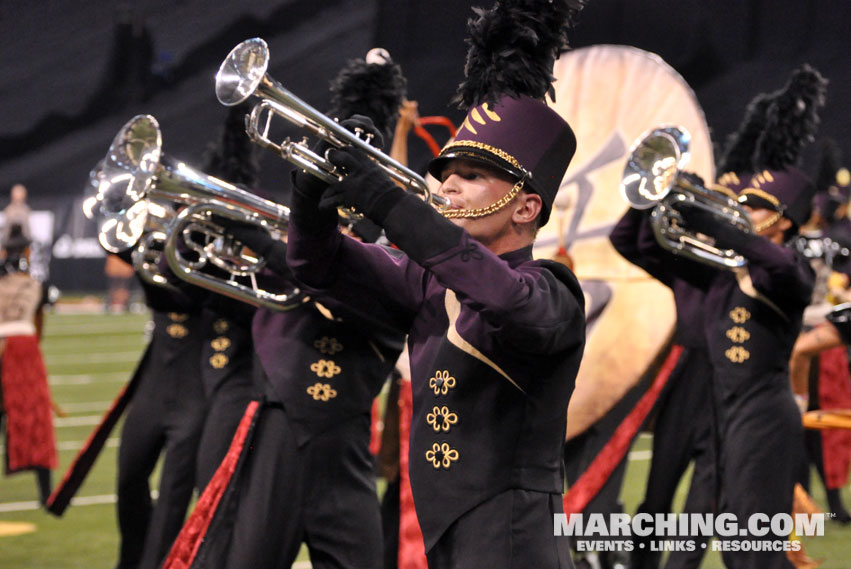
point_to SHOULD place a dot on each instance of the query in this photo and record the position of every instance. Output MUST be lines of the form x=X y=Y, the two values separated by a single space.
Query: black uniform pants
x=165 y=418
x=684 y=431
x=761 y=446
x=322 y=494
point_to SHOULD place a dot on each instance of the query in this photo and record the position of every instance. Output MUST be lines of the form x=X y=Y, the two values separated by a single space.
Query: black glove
x=252 y=236
x=699 y=220
x=366 y=187
x=311 y=186
x=274 y=251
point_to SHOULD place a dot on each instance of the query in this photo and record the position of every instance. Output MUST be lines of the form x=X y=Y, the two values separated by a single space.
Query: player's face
x=469 y=184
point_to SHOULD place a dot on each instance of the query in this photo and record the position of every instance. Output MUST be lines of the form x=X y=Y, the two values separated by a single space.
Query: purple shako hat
x=522 y=136
x=788 y=191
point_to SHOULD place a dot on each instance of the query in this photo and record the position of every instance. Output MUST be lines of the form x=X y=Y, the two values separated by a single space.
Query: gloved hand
x=696 y=218
x=273 y=251
x=252 y=236
x=366 y=187
x=311 y=186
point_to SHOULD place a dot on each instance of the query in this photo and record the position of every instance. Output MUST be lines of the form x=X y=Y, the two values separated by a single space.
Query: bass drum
x=611 y=95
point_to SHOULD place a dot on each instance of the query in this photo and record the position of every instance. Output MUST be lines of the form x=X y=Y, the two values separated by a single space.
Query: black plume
x=513 y=47
x=739 y=149
x=232 y=156
x=791 y=120
x=375 y=90
x=829 y=164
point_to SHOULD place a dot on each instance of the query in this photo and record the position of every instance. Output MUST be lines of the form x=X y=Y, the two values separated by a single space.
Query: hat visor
x=436 y=166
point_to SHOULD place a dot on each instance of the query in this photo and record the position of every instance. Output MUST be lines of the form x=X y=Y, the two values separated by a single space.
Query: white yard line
x=93 y=358
x=87 y=378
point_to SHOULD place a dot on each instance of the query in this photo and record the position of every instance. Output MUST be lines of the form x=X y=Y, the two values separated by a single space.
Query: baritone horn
x=139 y=193
x=243 y=74
x=653 y=178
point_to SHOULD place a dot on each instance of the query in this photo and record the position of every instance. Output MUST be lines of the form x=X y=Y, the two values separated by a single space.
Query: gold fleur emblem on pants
x=740 y=315
x=178 y=317
x=737 y=354
x=325 y=368
x=738 y=334
x=221 y=326
x=321 y=392
x=442 y=382
x=328 y=345
x=219 y=361
x=441 y=419
x=441 y=455
x=221 y=343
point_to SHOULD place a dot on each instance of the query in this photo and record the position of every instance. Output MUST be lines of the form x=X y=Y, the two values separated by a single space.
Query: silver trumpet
x=243 y=74
x=652 y=179
x=139 y=193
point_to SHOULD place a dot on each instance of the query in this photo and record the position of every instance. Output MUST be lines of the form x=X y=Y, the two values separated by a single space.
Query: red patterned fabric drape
x=835 y=393
x=411 y=547
x=186 y=545
x=30 y=440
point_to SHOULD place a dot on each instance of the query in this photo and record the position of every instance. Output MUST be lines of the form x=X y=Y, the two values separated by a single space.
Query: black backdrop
x=72 y=72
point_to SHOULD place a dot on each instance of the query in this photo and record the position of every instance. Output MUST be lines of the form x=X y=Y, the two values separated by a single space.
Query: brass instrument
x=652 y=179
x=243 y=74
x=139 y=193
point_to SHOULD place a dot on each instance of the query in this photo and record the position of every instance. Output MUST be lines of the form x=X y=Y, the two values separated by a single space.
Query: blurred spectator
x=17 y=213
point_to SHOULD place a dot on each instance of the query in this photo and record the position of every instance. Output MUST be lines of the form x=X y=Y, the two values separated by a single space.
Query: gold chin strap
x=768 y=222
x=485 y=211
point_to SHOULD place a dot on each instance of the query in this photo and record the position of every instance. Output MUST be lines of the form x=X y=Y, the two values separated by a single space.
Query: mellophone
x=157 y=205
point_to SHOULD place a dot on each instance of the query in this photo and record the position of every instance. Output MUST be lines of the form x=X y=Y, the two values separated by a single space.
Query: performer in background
x=306 y=474
x=495 y=338
x=165 y=418
x=684 y=425
x=25 y=402
x=753 y=316
x=819 y=361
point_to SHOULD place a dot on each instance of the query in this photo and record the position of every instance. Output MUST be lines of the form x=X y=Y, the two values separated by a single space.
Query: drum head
x=611 y=95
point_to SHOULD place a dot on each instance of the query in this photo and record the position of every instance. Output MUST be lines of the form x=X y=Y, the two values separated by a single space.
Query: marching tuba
x=652 y=179
x=243 y=74
x=139 y=191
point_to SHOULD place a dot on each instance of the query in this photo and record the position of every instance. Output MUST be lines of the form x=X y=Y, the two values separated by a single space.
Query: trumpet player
x=306 y=475
x=495 y=338
x=754 y=314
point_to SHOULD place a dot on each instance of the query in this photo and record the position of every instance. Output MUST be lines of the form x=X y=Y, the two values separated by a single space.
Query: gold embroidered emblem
x=219 y=361
x=221 y=326
x=442 y=382
x=321 y=392
x=738 y=334
x=740 y=315
x=325 y=368
x=441 y=419
x=177 y=330
x=221 y=343
x=328 y=345
x=178 y=317
x=441 y=454
x=737 y=354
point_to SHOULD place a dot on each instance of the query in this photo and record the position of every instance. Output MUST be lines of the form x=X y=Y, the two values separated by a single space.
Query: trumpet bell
x=653 y=165
x=242 y=71
x=121 y=180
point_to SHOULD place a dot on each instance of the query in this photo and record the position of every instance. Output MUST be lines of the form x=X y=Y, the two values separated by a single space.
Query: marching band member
x=306 y=474
x=24 y=393
x=165 y=418
x=753 y=316
x=684 y=425
x=495 y=338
